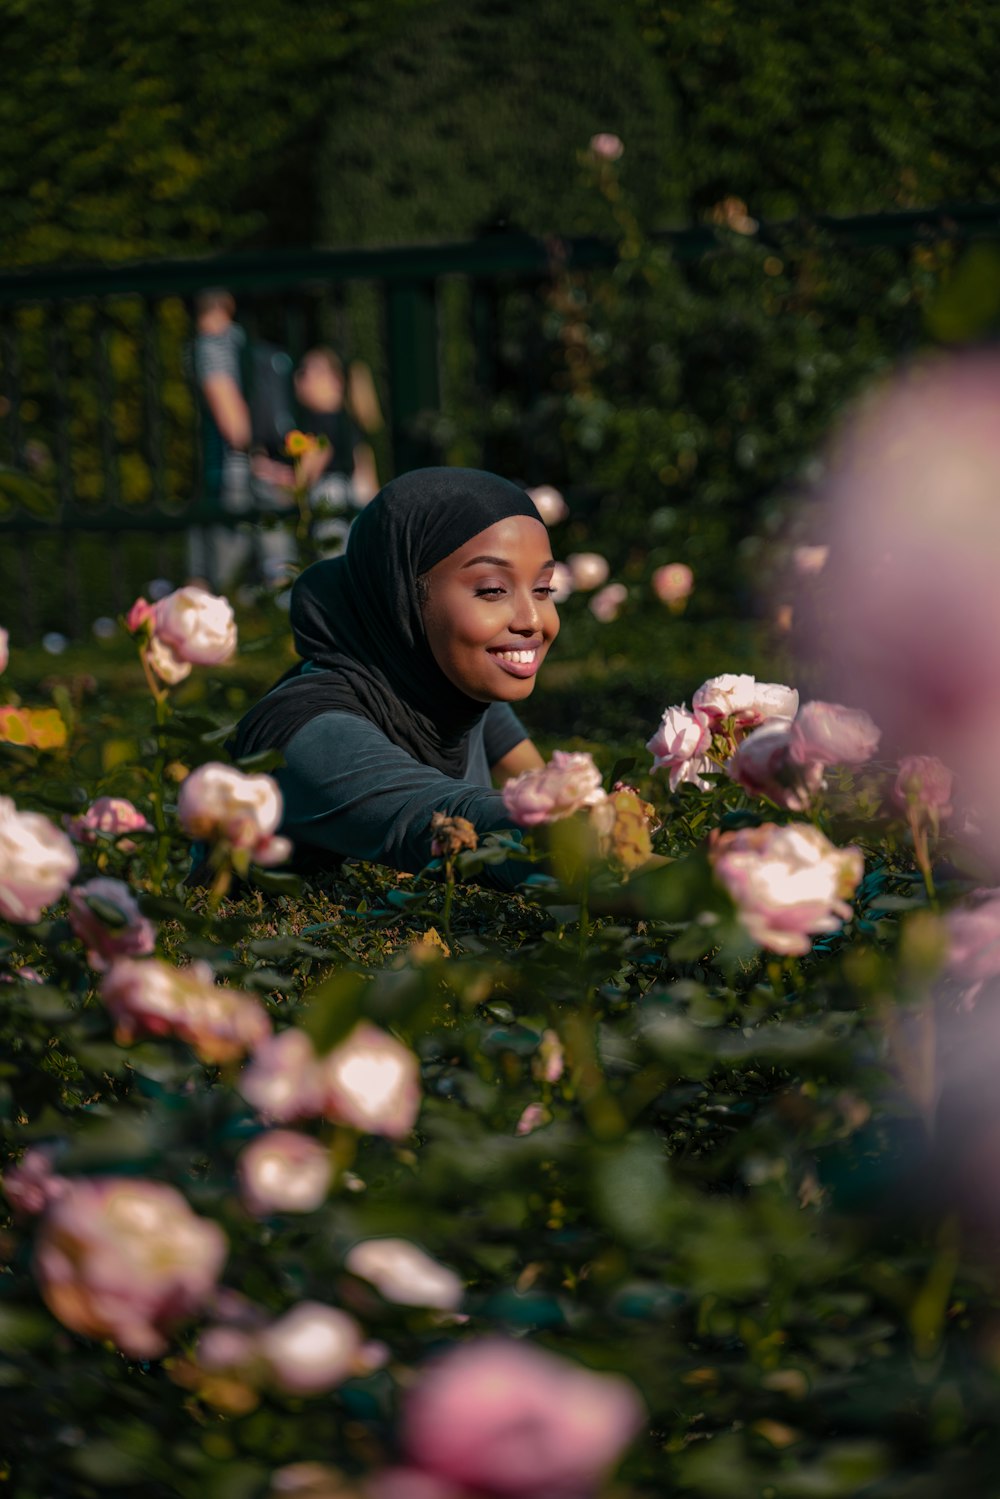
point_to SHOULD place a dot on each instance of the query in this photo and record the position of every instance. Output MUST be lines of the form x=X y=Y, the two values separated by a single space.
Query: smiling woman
x=414 y=645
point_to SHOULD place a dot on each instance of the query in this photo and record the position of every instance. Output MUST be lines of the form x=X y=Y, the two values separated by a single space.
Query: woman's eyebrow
x=502 y=562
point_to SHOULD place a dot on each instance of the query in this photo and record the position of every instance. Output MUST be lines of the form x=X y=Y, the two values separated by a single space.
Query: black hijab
x=358 y=617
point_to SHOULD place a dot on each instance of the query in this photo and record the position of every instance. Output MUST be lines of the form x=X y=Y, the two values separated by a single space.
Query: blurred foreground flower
x=189 y=627
x=830 y=734
x=504 y=1418
x=37 y=862
x=787 y=883
x=762 y=765
x=147 y=997
x=549 y=503
x=310 y=1349
x=105 y=915
x=36 y=728
x=810 y=560
x=561 y=584
x=568 y=783
x=450 y=835
x=974 y=943
x=923 y=785
x=31 y=1186
x=673 y=585
x=623 y=823
x=220 y=804
x=402 y=1272
x=370 y=1081
x=282 y=1171
x=4 y=650
x=126 y=1260
x=114 y=816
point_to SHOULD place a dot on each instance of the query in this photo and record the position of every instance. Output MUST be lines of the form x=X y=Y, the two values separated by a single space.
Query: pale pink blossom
x=105 y=915
x=218 y=803
x=606 y=146
x=111 y=815
x=762 y=766
x=404 y=1483
x=568 y=783
x=402 y=1272
x=4 y=649
x=550 y=1059
x=588 y=570
x=607 y=602
x=283 y=1081
x=744 y=700
x=282 y=1171
x=974 y=943
x=371 y=1081
x=506 y=1419
x=673 y=584
x=923 y=784
x=148 y=997
x=681 y=745
x=126 y=1259
x=549 y=503
x=831 y=734
x=311 y=1349
x=810 y=560
x=31 y=1186
x=787 y=883
x=533 y=1116
x=197 y=626
x=37 y=862
x=167 y=665
x=141 y=613
x=561 y=583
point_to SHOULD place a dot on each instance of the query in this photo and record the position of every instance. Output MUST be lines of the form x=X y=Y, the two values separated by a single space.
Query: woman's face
x=489 y=614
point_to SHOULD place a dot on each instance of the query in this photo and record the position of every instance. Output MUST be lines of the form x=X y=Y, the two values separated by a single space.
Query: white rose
x=787 y=883
x=403 y=1273
x=168 y=666
x=310 y=1349
x=197 y=626
x=218 y=802
x=37 y=862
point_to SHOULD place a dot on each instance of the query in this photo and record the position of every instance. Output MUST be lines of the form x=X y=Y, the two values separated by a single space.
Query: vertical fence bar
x=71 y=613
x=414 y=387
x=106 y=397
x=12 y=384
x=152 y=422
x=25 y=590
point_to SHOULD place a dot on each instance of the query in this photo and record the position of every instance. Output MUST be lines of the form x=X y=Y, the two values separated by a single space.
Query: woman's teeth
x=518 y=658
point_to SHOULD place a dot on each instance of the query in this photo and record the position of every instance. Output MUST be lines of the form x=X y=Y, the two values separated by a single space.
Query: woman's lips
x=518 y=662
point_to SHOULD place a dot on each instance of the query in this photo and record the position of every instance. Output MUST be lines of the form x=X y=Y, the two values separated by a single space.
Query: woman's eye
x=489 y=593
x=546 y=593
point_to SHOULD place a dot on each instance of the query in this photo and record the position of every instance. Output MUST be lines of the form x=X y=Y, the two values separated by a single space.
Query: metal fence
x=99 y=442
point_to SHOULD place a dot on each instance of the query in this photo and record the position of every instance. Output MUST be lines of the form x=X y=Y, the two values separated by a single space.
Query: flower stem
x=156 y=794
x=449 y=896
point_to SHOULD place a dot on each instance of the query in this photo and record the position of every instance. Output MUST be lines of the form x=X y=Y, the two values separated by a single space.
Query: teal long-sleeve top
x=350 y=792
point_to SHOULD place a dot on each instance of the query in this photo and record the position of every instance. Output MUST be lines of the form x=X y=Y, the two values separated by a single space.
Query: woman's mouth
x=518 y=663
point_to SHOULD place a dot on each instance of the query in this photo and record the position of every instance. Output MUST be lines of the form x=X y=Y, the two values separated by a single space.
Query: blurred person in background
x=223 y=367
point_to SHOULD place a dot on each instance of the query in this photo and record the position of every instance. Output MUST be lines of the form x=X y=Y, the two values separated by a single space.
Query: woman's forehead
x=517 y=539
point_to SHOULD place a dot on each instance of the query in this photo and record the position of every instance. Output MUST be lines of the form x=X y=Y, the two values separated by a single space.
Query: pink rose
x=140 y=614
x=681 y=745
x=112 y=815
x=533 y=1116
x=127 y=1260
x=561 y=583
x=220 y=804
x=165 y=663
x=744 y=700
x=974 y=943
x=568 y=783
x=549 y=503
x=607 y=602
x=832 y=735
x=762 y=766
x=673 y=584
x=506 y=1419
x=283 y=1081
x=787 y=883
x=403 y=1273
x=147 y=997
x=371 y=1081
x=550 y=1059
x=606 y=146
x=923 y=783
x=310 y=1349
x=4 y=649
x=31 y=1186
x=105 y=915
x=588 y=570
x=198 y=627
x=37 y=862
x=282 y=1171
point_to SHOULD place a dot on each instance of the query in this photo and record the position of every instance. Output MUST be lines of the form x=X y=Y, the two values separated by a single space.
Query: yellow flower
x=623 y=826
x=297 y=444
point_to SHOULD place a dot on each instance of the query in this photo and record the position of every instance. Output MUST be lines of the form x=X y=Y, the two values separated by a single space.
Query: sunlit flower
x=402 y=1272
x=198 y=627
x=588 y=570
x=606 y=146
x=221 y=804
x=127 y=1260
x=743 y=699
x=167 y=665
x=762 y=765
x=450 y=835
x=372 y=1082
x=561 y=583
x=673 y=584
x=681 y=744
x=297 y=444
x=147 y=997
x=568 y=783
x=549 y=503
x=37 y=862
x=310 y=1349
x=105 y=915
x=283 y=1081
x=623 y=823
x=282 y=1171
x=111 y=815
x=607 y=602
x=504 y=1418
x=787 y=883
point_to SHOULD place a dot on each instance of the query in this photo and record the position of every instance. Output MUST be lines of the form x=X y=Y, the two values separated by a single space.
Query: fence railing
x=99 y=443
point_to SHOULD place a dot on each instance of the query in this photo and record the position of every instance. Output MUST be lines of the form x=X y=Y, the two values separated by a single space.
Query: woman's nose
x=527 y=618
